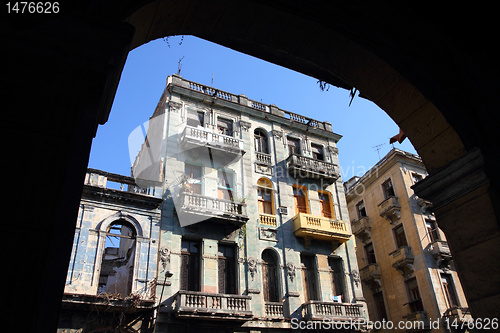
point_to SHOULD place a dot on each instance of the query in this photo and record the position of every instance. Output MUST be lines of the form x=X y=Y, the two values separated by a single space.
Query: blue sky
x=363 y=125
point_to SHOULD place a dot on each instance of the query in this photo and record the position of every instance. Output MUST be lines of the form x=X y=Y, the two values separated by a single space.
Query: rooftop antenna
x=212 y=84
x=378 y=148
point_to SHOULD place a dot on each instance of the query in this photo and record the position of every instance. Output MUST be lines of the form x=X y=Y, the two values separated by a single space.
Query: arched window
x=270 y=276
x=117 y=264
x=260 y=139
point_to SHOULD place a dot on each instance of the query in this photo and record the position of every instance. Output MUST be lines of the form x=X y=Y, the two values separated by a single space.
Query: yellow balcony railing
x=320 y=228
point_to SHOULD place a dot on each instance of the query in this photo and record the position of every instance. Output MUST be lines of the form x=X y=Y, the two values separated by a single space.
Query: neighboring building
x=253 y=234
x=406 y=266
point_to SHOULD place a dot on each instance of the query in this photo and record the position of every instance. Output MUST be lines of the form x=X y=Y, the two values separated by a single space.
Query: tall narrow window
x=309 y=279
x=265 y=196
x=449 y=290
x=117 y=265
x=225 y=126
x=270 y=276
x=325 y=204
x=360 y=207
x=414 y=300
x=193 y=175
x=293 y=146
x=432 y=230
x=226 y=269
x=317 y=152
x=388 y=189
x=379 y=303
x=300 y=200
x=190 y=265
x=260 y=139
x=399 y=235
x=370 y=254
x=195 y=118
x=225 y=183
x=337 y=276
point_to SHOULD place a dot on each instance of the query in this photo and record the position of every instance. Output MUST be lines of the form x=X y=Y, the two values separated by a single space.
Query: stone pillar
x=60 y=76
x=462 y=198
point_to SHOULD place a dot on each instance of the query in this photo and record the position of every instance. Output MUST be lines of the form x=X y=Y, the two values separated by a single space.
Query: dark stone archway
x=429 y=70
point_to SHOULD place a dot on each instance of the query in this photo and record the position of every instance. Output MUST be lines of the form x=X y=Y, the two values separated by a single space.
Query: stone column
x=463 y=202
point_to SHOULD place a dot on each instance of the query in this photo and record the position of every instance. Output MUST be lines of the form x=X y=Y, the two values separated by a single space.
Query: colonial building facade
x=237 y=221
x=405 y=264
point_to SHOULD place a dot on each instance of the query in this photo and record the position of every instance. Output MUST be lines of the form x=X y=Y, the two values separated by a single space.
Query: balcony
x=274 y=310
x=318 y=310
x=223 y=147
x=195 y=304
x=441 y=252
x=306 y=167
x=390 y=209
x=402 y=260
x=420 y=321
x=370 y=275
x=320 y=228
x=267 y=219
x=219 y=210
x=263 y=159
x=457 y=315
x=362 y=228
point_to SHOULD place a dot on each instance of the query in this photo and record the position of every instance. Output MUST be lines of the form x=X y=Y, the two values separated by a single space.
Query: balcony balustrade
x=441 y=252
x=212 y=306
x=362 y=228
x=370 y=275
x=420 y=321
x=216 y=209
x=267 y=219
x=223 y=146
x=320 y=228
x=263 y=159
x=390 y=209
x=318 y=310
x=402 y=260
x=307 y=167
x=274 y=310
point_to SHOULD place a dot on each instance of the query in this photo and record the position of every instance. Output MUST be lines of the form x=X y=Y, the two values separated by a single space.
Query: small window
x=379 y=303
x=399 y=235
x=265 y=196
x=370 y=254
x=414 y=300
x=117 y=265
x=225 y=183
x=226 y=262
x=195 y=118
x=360 y=207
x=337 y=276
x=300 y=200
x=260 y=140
x=432 y=230
x=325 y=204
x=193 y=175
x=270 y=278
x=449 y=290
x=190 y=265
x=293 y=146
x=225 y=126
x=388 y=189
x=317 y=152
x=309 y=277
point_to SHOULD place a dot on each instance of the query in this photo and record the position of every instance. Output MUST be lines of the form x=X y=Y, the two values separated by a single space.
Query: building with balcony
x=250 y=227
x=406 y=267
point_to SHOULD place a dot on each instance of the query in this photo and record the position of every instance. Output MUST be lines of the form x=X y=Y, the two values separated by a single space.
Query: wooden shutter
x=184 y=271
x=309 y=277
